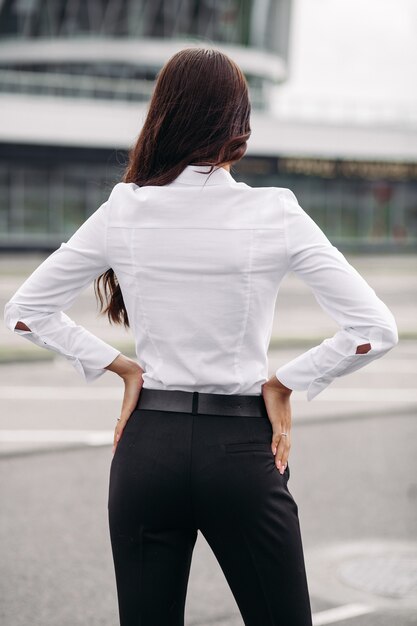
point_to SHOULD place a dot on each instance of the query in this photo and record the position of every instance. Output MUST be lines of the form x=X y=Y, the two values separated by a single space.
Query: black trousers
x=176 y=473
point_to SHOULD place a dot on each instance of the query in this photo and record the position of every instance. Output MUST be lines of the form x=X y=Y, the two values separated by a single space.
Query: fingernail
x=274 y=450
x=117 y=437
x=279 y=463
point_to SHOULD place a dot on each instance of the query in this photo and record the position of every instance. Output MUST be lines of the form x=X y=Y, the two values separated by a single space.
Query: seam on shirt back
x=287 y=251
x=138 y=299
x=130 y=227
x=237 y=363
x=106 y=221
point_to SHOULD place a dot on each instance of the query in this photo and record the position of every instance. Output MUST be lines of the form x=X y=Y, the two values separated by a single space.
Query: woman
x=192 y=261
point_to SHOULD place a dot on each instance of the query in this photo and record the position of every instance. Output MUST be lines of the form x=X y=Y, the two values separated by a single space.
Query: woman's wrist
x=124 y=367
x=275 y=384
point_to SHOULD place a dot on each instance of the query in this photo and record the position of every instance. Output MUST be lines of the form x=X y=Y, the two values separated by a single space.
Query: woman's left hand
x=278 y=406
x=131 y=373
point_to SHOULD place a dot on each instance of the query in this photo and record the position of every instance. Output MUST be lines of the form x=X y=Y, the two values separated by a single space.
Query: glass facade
x=46 y=193
x=259 y=23
x=102 y=81
x=359 y=204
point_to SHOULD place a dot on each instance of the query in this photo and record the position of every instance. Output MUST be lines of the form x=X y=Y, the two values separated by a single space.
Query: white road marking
x=88 y=437
x=340 y=613
x=330 y=394
x=25 y=392
x=368 y=394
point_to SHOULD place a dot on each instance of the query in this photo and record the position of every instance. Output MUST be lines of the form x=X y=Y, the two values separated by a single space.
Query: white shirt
x=200 y=262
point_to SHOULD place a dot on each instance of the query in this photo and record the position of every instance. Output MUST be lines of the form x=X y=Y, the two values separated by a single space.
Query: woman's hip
x=174 y=460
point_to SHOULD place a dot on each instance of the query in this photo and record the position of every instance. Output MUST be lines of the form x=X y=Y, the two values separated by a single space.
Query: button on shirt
x=200 y=262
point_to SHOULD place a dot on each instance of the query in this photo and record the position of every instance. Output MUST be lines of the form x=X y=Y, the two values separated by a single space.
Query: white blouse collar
x=199 y=175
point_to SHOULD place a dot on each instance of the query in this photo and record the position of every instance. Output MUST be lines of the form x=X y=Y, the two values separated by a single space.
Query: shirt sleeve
x=41 y=300
x=344 y=295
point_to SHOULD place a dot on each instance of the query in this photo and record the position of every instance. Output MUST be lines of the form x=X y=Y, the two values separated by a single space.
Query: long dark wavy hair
x=199 y=113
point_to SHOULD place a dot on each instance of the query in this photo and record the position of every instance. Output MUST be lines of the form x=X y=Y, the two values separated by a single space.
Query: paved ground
x=353 y=474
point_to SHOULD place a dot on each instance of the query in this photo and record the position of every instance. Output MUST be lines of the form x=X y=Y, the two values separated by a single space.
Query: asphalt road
x=353 y=475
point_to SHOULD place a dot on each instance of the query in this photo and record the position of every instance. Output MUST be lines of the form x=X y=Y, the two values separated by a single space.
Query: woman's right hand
x=133 y=382
x=131 y=374
x=278 y=406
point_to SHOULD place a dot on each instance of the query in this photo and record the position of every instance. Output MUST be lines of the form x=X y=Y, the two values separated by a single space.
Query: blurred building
x=75 y=79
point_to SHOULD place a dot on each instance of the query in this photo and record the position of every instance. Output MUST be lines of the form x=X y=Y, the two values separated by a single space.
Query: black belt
x=206 y=403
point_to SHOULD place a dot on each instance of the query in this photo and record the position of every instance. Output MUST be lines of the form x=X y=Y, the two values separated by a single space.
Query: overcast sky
x=354 y=49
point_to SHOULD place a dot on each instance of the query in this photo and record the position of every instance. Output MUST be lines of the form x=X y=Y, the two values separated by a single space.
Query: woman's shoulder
x=273 y=200
x=123 y=188
x=283 y=195
x=122 y=194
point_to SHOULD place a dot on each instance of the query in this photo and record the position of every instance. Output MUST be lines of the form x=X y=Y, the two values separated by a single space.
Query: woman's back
x=199 y=263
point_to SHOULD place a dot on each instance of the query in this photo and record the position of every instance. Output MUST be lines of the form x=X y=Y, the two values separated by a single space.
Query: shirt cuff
x=315 y=369
x=104 y=354
x=90 y=374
